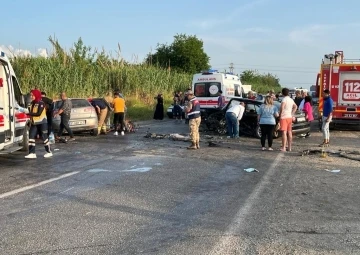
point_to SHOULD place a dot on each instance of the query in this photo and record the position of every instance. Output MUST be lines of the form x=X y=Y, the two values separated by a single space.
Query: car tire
x=94 y=132
x=222 y=128
x=276 y=134
x=25 y=140
x=258 y=132
x=212 y=121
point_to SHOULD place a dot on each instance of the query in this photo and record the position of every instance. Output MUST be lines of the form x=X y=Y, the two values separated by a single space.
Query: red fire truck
x=342 y=77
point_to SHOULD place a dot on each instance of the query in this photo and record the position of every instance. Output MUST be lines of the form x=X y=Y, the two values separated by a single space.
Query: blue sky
x=286 y=38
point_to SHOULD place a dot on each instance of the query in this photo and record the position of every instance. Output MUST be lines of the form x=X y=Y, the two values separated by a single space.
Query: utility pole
x=231 y=67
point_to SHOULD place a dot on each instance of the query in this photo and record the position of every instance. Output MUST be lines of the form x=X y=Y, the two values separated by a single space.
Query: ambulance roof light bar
x=210 y=71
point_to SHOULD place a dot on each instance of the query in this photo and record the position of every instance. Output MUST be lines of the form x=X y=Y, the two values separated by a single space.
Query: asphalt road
x=136 y=195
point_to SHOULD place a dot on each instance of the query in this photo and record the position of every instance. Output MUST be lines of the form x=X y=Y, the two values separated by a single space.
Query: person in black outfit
x=159 y=111
x=49 y=108
x=298 y=98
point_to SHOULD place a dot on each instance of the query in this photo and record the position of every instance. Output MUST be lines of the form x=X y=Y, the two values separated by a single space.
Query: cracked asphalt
x=136 y=195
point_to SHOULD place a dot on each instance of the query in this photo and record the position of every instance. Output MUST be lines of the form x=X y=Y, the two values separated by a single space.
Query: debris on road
x=214 y=144
x=353 y=155
x=178 y=137
x=250 y=170
x=157 y=136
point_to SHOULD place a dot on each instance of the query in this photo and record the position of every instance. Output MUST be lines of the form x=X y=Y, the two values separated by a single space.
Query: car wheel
x=258 y=132
x=276 y=134
x=94 y=132
x=213 y=121
x=222 y=128
x=25 y=141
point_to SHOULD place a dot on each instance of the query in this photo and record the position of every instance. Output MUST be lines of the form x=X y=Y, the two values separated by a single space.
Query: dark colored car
x=249 y=124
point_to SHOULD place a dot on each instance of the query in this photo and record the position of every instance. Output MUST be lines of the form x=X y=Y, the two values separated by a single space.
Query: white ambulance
x=207 y=84
x=13 y=123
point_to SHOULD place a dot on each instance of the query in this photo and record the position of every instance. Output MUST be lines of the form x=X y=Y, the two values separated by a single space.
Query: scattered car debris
x=214 y=144
x=154 y=135
x=250 y=170
x=179 y=137
x=353 y=155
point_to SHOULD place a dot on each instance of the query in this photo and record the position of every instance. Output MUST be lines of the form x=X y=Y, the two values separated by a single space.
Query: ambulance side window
x=17 y=92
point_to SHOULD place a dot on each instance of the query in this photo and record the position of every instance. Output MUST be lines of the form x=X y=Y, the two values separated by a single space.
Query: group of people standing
x=269 y=112
x=41 y=113
x=104 y=107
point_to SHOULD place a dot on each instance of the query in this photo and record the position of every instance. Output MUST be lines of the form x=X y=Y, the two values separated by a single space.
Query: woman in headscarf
x=159 y=111
x=38 y=119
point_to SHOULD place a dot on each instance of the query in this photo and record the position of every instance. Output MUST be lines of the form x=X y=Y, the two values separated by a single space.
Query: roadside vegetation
x=83 y=72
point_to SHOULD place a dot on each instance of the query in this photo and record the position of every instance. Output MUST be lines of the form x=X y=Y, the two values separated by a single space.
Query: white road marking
x=141 y=170
x=16 y=191
x=97 y=170
x=228 y=241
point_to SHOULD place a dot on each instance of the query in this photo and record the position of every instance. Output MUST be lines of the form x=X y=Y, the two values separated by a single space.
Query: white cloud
x=11 y=52
x=210 y=23
x=43 y=53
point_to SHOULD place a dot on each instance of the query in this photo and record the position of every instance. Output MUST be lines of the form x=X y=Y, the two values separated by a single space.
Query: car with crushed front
x=249 y=125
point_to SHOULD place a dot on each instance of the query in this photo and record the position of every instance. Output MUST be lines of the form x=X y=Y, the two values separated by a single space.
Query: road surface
x=136 y=195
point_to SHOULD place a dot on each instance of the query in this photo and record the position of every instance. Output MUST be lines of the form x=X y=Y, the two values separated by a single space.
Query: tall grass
x=138 y=81
x=82 y=72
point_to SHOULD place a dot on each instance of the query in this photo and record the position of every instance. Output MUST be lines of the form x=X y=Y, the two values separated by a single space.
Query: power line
x=282 y=67
x=283 y=70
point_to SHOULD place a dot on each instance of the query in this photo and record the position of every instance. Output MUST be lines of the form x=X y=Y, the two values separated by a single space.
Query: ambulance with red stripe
x=342 y=77
x=13 y=123
x=207 y=84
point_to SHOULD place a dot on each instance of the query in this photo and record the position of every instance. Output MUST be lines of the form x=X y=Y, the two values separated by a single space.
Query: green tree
x=185 y=54
x=260 y=82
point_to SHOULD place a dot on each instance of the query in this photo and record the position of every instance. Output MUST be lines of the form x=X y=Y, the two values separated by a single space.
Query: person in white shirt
x=287 y=110
x=233 y=116
x=303 y=95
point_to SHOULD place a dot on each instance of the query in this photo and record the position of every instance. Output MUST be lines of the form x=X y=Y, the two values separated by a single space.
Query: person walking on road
x=102 y=111
x=65 y=115
x=194 y=115
x=287 y=110
x=39 y=124
x=119 y=114
x=326 y=117
x=266 y=119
